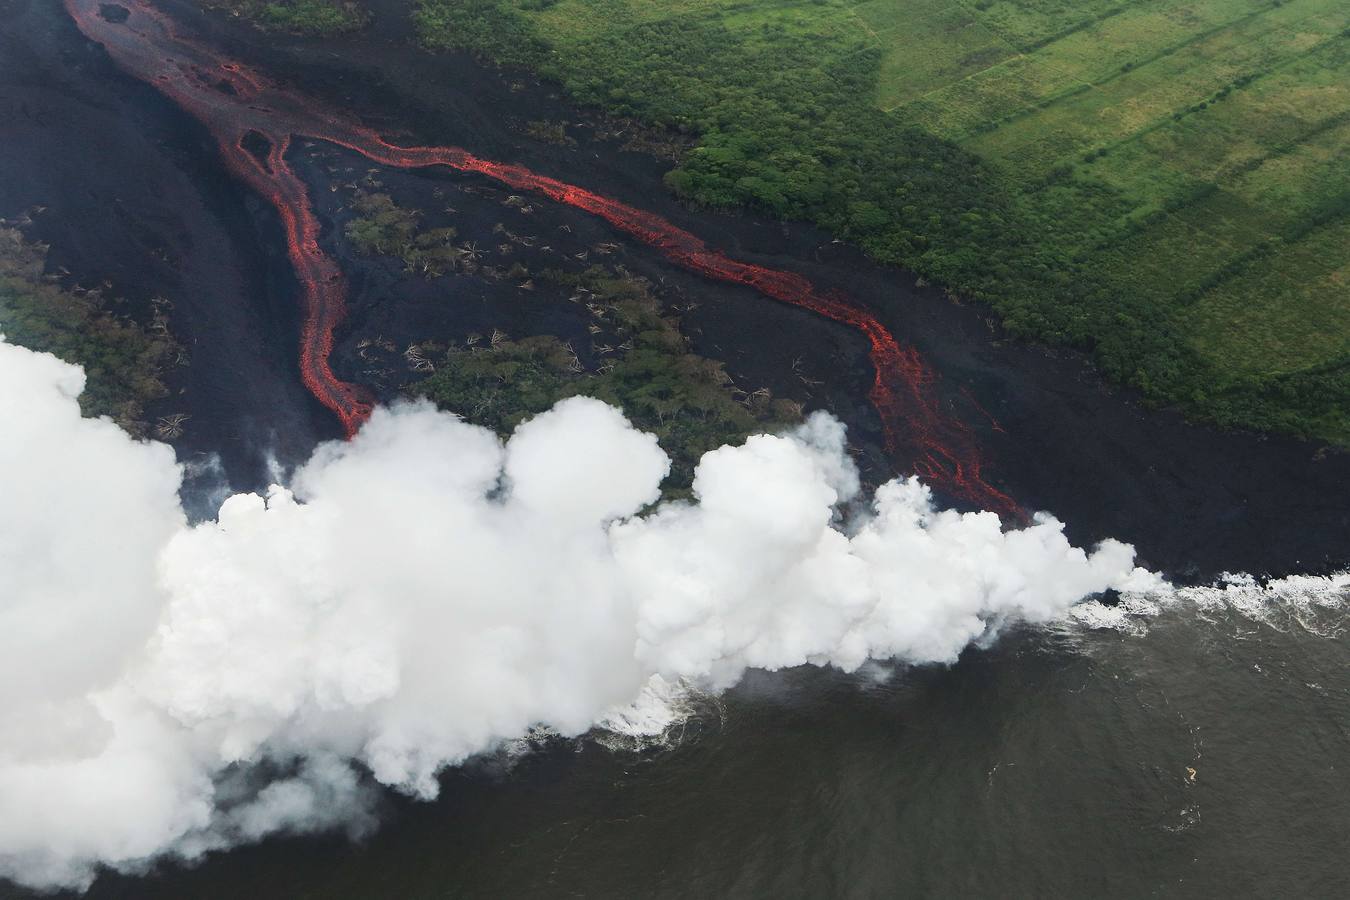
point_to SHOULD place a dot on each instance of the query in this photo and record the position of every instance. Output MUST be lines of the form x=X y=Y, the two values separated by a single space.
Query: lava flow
x=254 y=120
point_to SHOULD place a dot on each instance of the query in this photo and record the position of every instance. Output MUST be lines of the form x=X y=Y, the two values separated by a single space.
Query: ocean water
x=1196 y=748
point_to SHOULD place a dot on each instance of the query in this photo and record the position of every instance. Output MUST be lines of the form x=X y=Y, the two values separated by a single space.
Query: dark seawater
x=1049 y=765
x=1056 y=762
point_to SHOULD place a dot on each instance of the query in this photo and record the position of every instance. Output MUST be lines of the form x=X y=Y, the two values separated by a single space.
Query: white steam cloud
x=421 y=594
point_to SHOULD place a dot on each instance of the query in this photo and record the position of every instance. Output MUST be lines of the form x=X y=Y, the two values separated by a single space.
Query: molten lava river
x=254 y=120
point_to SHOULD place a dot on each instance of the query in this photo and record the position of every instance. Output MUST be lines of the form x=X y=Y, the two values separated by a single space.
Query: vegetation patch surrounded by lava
x=686 y=400
x=311 y=17
x=124 y=361
x=386 y=228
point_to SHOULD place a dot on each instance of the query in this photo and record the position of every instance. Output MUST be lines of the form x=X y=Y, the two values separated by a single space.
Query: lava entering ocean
x=253 y=120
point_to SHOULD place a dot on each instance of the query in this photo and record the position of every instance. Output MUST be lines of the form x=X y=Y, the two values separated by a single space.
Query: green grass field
x=1224 y=123
x=1163 y=182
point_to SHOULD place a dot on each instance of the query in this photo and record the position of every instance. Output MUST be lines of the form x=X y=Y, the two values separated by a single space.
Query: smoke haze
x=421 y=594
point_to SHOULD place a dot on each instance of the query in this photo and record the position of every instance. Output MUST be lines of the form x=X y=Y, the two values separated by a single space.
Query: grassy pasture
x=1288 y=313
x=1147 y=97
x=1030 y=23
x=1127 y=79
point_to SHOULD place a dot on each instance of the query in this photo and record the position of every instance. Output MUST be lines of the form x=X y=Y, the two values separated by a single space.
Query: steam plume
x=421 y=594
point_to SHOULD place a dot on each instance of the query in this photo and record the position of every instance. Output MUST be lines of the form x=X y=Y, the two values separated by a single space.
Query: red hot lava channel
x=254 y=120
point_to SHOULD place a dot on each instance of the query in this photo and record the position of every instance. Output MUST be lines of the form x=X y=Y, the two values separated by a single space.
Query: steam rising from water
x=424 y=593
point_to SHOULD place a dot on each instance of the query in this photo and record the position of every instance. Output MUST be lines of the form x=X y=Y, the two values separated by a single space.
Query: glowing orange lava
x=253 y=119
